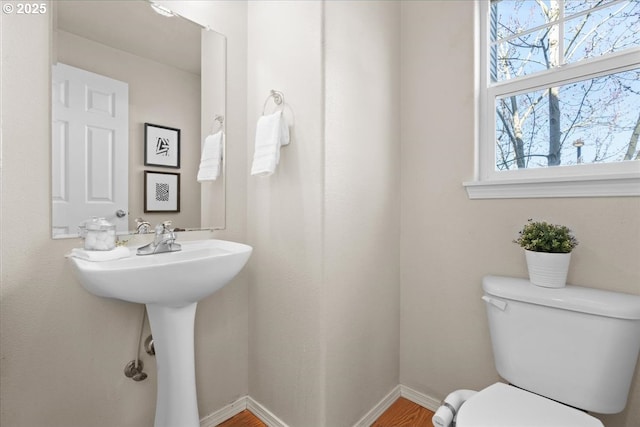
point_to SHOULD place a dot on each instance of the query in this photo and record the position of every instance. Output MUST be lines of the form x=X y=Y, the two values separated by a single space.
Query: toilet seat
x=501 y=405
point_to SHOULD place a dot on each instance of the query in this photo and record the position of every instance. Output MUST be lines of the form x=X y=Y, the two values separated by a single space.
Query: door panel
x=90 y=149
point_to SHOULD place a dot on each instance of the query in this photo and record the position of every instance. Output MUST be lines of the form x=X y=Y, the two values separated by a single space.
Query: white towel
x=271 y=133
x=211 y=157
x=98 y=256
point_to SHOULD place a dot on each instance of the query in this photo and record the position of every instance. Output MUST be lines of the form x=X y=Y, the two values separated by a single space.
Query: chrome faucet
x=142 y=226
x=163 y=241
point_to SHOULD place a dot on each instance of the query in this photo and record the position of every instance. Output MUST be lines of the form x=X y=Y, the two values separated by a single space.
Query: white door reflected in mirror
x=90 y=137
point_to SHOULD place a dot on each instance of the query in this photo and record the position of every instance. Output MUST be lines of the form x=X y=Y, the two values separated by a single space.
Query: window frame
x=585 y=180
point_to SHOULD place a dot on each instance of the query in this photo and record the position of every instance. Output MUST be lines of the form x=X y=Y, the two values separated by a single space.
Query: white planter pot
x=548 y=269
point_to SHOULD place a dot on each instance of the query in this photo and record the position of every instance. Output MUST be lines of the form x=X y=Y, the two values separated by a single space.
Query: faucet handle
x=159 y=229
x=166 y=225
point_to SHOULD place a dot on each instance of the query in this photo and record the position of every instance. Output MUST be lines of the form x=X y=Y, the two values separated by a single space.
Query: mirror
x=134 y=95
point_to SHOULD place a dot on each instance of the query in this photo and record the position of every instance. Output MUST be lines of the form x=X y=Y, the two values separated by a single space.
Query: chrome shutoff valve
x=134 y=371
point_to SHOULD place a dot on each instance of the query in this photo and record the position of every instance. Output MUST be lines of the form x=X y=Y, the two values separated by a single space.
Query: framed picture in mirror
x=161 y=192
x=161 y=146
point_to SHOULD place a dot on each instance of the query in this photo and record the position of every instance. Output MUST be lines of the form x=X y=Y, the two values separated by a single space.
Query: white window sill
x=603 y=186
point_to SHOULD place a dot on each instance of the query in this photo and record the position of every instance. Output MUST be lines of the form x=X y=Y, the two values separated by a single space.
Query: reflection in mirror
x=119 y=69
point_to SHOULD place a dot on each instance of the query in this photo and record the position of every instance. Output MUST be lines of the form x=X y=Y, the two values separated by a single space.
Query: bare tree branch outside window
x=591 y=121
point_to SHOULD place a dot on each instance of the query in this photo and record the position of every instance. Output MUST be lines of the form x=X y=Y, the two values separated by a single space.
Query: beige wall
x=63 y=350
x=284 y=216
x=449 y=242
x=324 y=297
x=361 y=206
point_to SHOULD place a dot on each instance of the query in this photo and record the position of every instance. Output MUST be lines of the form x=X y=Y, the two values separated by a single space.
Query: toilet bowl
x=555 y=347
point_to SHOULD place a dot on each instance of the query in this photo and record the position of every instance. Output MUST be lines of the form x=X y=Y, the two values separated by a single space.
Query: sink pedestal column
x=173 y=330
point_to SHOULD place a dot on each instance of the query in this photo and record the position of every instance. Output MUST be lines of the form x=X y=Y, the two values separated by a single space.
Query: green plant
x=540 y=236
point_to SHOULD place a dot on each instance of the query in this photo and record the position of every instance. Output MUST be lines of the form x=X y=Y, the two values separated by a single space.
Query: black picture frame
x=161 y=191
x=161 y=146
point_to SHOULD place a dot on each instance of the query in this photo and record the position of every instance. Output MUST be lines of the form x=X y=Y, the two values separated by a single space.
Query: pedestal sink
x=170 y=285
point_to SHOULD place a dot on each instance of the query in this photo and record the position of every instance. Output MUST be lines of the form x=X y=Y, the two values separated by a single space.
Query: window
x=559 y=98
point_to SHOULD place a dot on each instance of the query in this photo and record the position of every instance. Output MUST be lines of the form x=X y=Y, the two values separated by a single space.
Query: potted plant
x=548 y=252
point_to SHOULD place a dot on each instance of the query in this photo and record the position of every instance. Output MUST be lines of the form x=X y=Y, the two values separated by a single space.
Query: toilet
x=563 y=352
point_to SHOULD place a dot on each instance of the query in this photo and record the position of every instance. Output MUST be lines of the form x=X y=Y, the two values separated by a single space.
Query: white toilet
x=560 y=349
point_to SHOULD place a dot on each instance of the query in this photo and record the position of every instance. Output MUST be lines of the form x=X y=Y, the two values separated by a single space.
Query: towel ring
x=220 y=121
x=278 y=99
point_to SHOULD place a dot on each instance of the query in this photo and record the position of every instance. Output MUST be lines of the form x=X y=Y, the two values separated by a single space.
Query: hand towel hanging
x=100 y=256
x=271 y=133
x=210 y=162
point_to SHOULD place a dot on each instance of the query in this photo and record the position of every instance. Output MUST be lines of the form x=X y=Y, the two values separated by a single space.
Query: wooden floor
x=244 y=418
x=403 y=413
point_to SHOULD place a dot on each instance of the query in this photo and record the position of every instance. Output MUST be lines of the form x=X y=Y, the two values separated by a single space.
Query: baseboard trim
x=246 y=402
x=419 y=398
x=379 y=409
x=267 y=417
x=264 y=414
x=225 y=413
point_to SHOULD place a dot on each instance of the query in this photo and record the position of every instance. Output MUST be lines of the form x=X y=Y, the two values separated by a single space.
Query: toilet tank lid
x=576 y=298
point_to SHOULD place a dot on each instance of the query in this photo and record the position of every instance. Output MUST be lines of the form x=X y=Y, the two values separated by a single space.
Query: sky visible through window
x=589 y=121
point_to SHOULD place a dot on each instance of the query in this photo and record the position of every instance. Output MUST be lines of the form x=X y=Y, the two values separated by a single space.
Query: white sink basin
x=171 y=279
x=170 y=285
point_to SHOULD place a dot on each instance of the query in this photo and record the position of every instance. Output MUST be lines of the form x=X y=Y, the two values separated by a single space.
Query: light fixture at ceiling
x=161 y=10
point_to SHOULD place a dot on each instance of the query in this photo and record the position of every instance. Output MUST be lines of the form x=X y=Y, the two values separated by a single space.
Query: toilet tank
x=575 y=345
